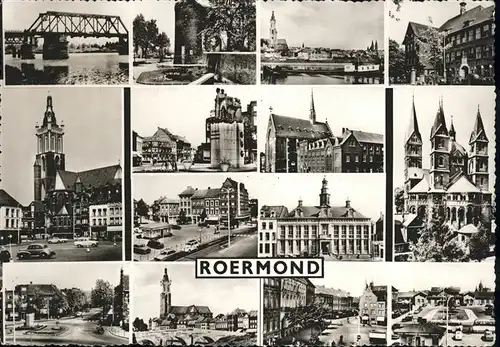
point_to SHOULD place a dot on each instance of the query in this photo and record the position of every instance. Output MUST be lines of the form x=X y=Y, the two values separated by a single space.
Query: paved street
x=242 y=246
x=106 y=251
x=195 y=167
x=74 y=331
x=349 y=332
x=188 y=232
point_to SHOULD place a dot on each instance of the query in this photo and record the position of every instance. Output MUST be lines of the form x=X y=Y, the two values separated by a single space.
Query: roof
x=439 y=121
x=475 y=15
x=469 y=229
x=163 y=134
x=7 y=200
x=165 y=200
x=463 y=185
x=94 y=178
x=333 y=212
x=484 y=295
x=322 y=290
x=417 y=28
x=206 y=193
x=410 y=294
x=279 y=211
x=413 y=126
x=422 y=186
x=478 y=128
x=366 y=137
x=189 y=191
x=415 y=172
x=298 y=128
x=185 y=309
x=456 y=147
x=421 y=328
x=44 y=289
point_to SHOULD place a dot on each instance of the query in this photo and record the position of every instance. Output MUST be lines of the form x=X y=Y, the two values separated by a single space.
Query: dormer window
x=273 y=214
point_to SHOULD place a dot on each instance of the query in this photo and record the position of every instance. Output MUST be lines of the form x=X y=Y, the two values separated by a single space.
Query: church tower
x=50 y=152
x=478 y=155
x=312 y=110
x=273 y=32
x=324 y=196
x=165 y=296
x=413 y=152
x=440 y=153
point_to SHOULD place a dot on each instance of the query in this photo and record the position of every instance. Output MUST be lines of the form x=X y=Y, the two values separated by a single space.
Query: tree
x=397 y=64
x=235 y=18
x=437 y=243
x=399 y=200
x=102 y=296
x=139 y=325
x=182 y=217
x=77 y=299
x=142 y=210
x=163 y=43
x=479 y=243
x=203 y=215
x=139 y=33
x=58 y=305
x=37 y=300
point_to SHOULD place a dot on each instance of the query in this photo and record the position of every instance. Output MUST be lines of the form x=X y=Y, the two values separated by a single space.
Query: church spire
x=478 y=127
x=439 y=120
x=452 y=130
x=272 y=16
x=312 y=110
x=49 y=117
x=413 y=126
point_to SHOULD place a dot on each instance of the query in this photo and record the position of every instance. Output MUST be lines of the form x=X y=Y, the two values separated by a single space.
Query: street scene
x=345 y=223
x=221 y=135
x=441 y=43
x=169 y=310
x=61 y=199
x=297 y=47
x=446 y=304
x=300 y=135
x=444 y=175
x=194 y=42
x=49 y=43
x=348 y=307
x=176 y=223
x=52 y=306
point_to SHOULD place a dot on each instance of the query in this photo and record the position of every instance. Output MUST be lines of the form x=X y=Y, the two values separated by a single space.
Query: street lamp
x=10 y=244
x=228 y=191
x=447 y=318
x=14 y=312
x=200 y=230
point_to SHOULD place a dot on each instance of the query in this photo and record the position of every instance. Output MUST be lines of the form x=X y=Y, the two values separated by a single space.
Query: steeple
x=439 y=121
x=312 y=110
x=440 y=154
x=478 y=128
x=413 y=126
x=478 y=155
x=49 y=117
x=272 y=16
x=452 y=130
x=324 y=196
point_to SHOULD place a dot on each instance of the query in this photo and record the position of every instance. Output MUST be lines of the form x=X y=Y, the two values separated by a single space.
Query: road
x=242 y=246
x=76 y=332
x=349 y=332
x=106 y=251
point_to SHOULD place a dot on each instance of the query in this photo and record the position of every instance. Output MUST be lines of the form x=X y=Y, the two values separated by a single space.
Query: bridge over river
x=55 y=27
x=182 y=337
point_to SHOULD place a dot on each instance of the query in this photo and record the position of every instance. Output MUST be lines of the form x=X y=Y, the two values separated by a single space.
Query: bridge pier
x=123 y=46
x=55 y=46
x=26 y=51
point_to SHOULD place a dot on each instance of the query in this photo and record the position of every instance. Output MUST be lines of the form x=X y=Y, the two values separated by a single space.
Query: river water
x=318 y=79
x=80 y=68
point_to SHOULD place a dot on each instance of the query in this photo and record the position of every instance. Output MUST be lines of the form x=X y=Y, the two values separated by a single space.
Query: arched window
x=441 y=161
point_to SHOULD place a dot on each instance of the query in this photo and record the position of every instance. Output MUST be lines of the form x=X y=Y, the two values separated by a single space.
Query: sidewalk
x=119 y=332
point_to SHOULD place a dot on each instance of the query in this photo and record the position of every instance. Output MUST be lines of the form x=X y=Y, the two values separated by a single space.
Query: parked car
x=81 y=242
x=176 y=226
x=5 y=256
x=36 y=251
x=56 y=240
x=155 y=244
x=191 y=245
x=488 y=335
x=408 y=318
x=138 y=249
x=165 y=255
x=167 y=234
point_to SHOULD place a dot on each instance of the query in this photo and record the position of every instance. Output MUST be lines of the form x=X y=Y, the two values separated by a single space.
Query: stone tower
x=273 y=32
x=440 y=154
x=478 y=155
x=50 y=152
x=324 y=196
x=312 y=110
x=413 y=153
x=165 y=295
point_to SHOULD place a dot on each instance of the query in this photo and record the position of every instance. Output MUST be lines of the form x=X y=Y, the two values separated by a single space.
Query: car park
x=156 y=244
x=165 y=255
x=138 y=249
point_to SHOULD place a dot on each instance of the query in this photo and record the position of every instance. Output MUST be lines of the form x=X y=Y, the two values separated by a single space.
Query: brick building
x=165 y=147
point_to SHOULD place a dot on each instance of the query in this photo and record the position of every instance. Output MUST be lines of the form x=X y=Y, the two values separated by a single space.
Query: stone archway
x=204 y=339
x=453 y=214
x=147 y=342
x=461 y=217
x=448 y=214
x=469 y=215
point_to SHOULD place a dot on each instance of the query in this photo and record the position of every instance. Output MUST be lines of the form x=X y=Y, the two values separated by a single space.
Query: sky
x=365 y=191
x=219 y=295
x=19 y=15
x=93 y=131
x=421 y=276
x=314 y=22
x=461 y=103
x=341 y=106
x=161 y=11
x=63 y=274
x=150 y=187
x=419 y=12
x=179 y=109
x=352 y=276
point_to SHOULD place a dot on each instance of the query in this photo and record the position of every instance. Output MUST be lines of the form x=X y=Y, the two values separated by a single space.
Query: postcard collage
x=154 y=134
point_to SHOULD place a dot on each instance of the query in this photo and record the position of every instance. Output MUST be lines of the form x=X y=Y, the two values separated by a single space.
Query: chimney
x=348 y=203
x=463 y=7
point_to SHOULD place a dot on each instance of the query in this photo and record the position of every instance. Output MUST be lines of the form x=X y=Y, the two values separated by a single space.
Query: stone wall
x=239 y=68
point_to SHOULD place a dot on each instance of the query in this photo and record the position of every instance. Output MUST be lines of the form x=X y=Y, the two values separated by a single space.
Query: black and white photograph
x=348 y=307
x=322 y=130
x=180 y=218
x=443 y=304
x=321 y=42
x=195 y=42
x=68 y=43
x=336 y=217
x=444 y=174
x=220 y=136
x=441 y=43
x=172 y=308
x=61 y=197
x=46 y=304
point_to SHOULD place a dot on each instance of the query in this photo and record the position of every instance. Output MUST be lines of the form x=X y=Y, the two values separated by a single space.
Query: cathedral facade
x=456 y=185
x=67 y=197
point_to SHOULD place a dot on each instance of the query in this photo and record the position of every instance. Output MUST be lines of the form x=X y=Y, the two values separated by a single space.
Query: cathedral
x=74 y=203
x=456 y=186
x=273 y=43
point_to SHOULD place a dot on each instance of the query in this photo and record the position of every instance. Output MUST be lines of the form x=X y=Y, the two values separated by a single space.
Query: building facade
x=372 y=305
x=469 y=40
x=137 y=142
x=335 y=299
x=165 y=147
x=121 y=302
x=272 y=307
x=11 y=218
x=299 y=145
x=321 y=230
x=166 y=210
x=456 y=186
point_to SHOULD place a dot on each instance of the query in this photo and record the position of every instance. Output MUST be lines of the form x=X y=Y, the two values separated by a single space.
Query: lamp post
x=14 y=312
x=199 y=229
x=447 y=318
x=18 y=215
x=10 y=244
x=228 y=191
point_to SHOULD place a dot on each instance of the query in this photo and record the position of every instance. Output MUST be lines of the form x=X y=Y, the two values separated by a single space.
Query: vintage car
x=36 y=251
